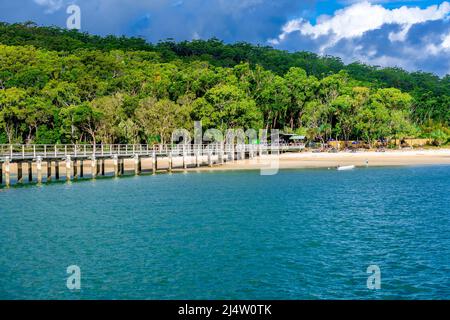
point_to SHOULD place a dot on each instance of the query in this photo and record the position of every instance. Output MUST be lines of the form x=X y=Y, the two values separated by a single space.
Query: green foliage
x=439 y=134
x=70 y=87
x=45 y=135
x=3 y=138
x=226 y=107
x=439 y=137
x=159 y=118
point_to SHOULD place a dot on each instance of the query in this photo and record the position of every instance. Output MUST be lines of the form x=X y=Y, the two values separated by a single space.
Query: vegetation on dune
x=60 y=86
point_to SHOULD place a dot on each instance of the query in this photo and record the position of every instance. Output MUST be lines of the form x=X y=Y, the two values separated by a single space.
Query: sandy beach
x=328 y=160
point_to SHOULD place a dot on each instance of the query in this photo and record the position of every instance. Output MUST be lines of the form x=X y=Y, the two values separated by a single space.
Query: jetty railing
x=55 y=150
x=32 y=151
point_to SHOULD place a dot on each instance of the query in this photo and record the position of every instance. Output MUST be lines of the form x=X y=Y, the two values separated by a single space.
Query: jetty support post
x=75 y=169
x=103 y=167
x=81 y=168
x=97 y=167
x=19 y=172
x=1 y=173
x=94 y=170
x=197 y=155
x=170 y=160
x=221 y=153
x=56 y=170
x=68 y=168
x=39 y=169
x=116 y=165
x=154 y=162
x=209 y=156
x=30 y=171
x=122 y=166
x=137 y=165
x=7 y=172
x=184 y=157
x=140 y=165
x=49 y=171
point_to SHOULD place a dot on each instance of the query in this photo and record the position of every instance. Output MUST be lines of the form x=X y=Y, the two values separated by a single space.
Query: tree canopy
x=60 y=86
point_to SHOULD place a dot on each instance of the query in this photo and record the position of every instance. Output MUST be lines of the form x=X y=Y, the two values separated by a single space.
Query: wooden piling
x=39 y=170
x=49 y=171
x=103 y=167
x=94 y=167
x=30 y=171
x=75 y=169
x=56 y=170
x=184 y=158
x=122 y=166
x=116 y=165
x=68 y=168
x=81 y=168
x=98 y=167
x=1 y=174
x=209 y=156
x=137 y=165
x=197 y=160
x=7 y=172
x=19 y=172
x=170 y=161
x=154 y=162
x=221 y=153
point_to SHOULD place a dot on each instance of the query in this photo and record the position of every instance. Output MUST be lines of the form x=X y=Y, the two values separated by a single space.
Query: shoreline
x=301 y=160
x=310 y=160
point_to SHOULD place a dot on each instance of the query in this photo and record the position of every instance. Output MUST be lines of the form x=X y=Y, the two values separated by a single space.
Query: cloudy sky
x=414 y=35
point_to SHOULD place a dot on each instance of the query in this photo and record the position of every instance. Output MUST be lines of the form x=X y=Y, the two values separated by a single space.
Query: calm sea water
x=301 y=234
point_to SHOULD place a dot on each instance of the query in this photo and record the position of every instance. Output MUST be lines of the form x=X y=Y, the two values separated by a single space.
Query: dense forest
x=61 y=86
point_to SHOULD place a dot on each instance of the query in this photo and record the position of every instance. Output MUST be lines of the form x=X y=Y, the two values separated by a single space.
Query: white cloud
x=436 y=49
x=446 y=42
x=51 y=5
x=361 y=17
x=401 y=35
x=412 y=38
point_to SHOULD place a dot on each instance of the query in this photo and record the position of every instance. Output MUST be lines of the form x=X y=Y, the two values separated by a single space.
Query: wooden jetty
x=91 y=161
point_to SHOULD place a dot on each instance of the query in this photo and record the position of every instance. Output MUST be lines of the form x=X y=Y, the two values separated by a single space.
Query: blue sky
x=414 y=35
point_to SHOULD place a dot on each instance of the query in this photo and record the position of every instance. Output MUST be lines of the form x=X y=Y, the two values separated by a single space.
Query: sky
x=414 y=35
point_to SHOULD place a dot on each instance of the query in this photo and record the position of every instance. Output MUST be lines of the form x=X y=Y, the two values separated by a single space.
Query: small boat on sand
x=342 y=168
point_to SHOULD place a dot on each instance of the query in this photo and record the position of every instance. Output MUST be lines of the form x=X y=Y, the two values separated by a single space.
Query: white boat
x=345 y=168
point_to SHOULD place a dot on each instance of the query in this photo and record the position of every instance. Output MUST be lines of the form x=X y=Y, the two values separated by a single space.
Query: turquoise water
x=301 y=234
